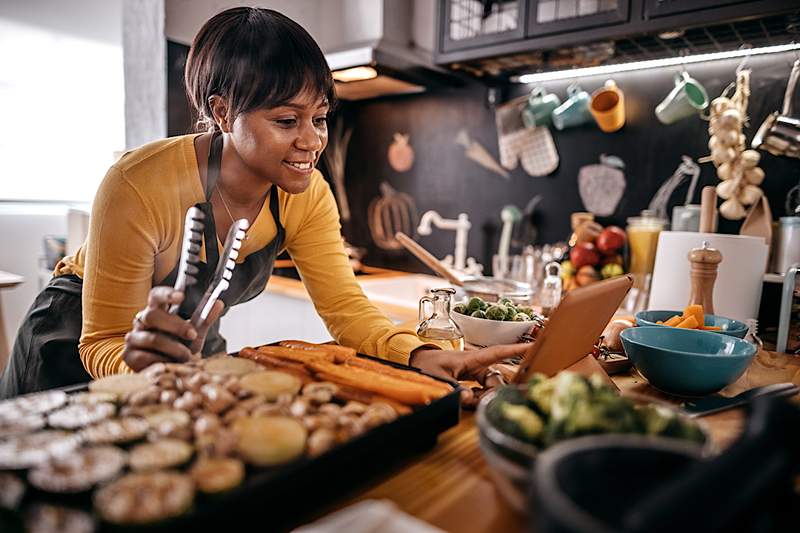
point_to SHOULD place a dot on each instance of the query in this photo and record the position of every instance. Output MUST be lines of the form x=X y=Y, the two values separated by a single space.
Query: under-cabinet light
x=652 y=63
x=355 y=74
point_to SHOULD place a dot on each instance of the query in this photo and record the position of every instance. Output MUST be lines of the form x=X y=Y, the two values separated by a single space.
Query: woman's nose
x=310 y=139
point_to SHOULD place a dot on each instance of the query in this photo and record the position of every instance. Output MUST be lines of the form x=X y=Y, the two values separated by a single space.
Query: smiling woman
x=262 y=90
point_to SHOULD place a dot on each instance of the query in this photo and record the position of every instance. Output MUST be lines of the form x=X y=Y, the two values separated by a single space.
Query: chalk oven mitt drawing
x=533 y=147
x=602 y=185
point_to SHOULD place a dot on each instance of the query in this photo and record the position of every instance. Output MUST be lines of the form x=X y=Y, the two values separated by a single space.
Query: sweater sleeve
x=120 y=258
x=318 y=252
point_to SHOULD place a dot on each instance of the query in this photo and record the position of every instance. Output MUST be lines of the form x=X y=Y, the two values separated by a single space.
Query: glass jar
x=439 y=328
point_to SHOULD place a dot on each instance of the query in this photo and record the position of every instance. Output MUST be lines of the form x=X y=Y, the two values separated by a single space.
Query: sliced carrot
x=674 y=321
x=659 y=322
x=711 y=328
x=696 y=311
x=688 y=323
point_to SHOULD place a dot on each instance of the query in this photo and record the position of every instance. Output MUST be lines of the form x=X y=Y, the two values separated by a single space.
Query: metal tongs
x=223 y=273
x=193 y=227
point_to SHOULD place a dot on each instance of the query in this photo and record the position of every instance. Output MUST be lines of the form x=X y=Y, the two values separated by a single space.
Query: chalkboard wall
x=442 y=178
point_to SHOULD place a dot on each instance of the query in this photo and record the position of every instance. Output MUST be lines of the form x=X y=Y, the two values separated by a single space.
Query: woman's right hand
x=156 y=333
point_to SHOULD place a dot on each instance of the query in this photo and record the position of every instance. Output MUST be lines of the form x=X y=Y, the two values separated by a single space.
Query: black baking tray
x=280 y=498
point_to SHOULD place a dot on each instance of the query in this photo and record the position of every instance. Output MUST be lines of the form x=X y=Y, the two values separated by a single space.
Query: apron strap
x=212 y=175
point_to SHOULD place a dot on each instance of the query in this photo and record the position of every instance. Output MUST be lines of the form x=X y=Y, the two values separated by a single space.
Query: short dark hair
x=255 y=58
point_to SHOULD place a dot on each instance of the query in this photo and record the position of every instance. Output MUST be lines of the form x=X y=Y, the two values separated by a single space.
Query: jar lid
x=790 y=221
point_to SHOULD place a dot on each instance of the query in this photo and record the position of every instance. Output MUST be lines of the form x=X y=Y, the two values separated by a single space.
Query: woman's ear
x=220 y=110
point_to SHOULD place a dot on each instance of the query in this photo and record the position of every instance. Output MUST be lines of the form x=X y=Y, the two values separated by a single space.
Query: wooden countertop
x=450 y=486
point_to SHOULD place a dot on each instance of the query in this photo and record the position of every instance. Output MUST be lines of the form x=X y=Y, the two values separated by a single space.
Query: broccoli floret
x=474 y=304
x=496 y=312
x=505 y=301
x=528 y=425
x=478 y=314
x=540 y=394
x=521 y=317
x=460 y=309
x=570 y=388
x=656 y=420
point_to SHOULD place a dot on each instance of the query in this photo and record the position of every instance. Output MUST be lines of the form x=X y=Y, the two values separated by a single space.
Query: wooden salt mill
x=704 y=273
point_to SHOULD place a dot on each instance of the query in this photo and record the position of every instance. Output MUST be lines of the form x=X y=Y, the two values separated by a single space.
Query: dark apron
x=45 y=353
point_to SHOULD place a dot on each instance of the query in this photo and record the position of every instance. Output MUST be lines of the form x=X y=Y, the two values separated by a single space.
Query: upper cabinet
x=498 y=38
x=470 y=24
x=546 y=17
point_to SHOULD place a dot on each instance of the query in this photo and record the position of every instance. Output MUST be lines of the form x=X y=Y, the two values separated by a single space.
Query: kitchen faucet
x=459 y=260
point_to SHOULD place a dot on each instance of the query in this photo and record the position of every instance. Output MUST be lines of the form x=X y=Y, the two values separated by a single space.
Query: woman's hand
x=479 y=365
x=156 y=333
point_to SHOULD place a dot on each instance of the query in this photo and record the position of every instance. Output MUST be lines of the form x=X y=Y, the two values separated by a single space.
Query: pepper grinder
x=704 y=273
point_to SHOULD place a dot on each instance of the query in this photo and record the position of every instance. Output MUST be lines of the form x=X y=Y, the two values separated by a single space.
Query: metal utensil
x=223 y=273
x=716 y=403
x=190 y=252
x=779 y=134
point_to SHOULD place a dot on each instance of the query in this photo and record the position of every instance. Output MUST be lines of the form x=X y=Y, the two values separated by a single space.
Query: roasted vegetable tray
x=276 y=498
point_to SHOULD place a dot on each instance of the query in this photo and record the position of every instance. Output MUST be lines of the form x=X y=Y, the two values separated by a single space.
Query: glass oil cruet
x=550 y=295
x=439 y=327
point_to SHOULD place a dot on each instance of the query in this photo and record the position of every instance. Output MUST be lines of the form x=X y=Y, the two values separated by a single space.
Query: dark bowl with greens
x=516 y=422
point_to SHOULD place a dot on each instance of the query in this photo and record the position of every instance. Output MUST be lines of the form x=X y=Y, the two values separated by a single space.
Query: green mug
x=540 y=108
x=686 y=98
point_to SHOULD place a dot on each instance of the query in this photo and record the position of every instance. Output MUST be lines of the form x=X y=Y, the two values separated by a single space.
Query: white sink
x=403 y=291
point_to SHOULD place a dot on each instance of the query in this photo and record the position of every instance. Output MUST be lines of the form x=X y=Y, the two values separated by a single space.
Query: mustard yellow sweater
x=134 y=243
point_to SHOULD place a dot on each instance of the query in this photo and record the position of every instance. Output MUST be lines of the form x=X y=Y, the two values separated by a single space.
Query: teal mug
x=686 y=98
x=540 y=108
x=574 y=111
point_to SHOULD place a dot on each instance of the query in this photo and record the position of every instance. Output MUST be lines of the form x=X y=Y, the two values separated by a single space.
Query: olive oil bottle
x=439 y=328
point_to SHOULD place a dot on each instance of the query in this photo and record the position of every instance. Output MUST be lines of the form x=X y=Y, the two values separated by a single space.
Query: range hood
x=376 y=50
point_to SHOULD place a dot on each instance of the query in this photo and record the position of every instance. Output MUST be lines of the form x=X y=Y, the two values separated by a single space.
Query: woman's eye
x=321 y=121
x=286 y=121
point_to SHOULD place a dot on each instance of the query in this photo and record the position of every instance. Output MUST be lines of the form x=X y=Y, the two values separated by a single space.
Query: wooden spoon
x=428 y=258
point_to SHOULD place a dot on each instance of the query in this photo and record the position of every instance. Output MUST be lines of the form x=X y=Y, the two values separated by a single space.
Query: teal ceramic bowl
x=728 y=326
x=686 y=362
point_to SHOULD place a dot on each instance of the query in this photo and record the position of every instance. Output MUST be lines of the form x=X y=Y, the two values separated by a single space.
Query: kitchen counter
x=450 y=486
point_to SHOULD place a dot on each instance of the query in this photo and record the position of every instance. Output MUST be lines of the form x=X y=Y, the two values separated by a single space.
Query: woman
x=262 y=88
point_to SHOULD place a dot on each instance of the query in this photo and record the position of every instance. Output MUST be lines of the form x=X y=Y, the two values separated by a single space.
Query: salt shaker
x=551 y=288
x=704 y=262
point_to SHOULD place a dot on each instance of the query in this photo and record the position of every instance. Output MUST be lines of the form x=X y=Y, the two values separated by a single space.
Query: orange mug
x=608 y=107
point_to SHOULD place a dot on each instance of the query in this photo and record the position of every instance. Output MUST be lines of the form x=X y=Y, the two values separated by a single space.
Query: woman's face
x=282 y=145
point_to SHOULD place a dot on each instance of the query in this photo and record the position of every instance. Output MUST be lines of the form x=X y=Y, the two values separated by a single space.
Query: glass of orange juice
x=642 y=241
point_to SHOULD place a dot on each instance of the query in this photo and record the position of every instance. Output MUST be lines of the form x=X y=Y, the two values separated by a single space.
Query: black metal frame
x=637 y=25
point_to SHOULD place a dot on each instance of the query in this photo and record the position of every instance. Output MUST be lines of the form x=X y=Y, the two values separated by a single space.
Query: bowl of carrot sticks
x=692 y=317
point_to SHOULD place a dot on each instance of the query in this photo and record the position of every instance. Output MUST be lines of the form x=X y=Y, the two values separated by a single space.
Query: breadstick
x=334 y=349
x=408 y=375
x=392 y=387
x=297 y=355
x=273 y=363
x=351 y=394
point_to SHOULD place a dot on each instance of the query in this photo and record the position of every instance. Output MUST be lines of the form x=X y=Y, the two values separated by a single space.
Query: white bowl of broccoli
x=487 y=324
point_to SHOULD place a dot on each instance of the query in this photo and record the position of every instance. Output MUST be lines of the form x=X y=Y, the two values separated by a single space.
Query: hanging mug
x=608 y=107
x=540 y=108
x=574 y=111
x=687 y=98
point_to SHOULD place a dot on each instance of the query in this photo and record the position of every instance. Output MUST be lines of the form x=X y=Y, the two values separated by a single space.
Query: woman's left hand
x=467 y=365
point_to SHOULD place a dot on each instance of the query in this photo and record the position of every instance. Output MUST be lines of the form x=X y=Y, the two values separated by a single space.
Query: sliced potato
x=217 y=474
x=116 y=431
x=159 y=455
x=270 y=383
x=120 y=384
x=266 y=441
x=230 y=366
x=142 y=498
